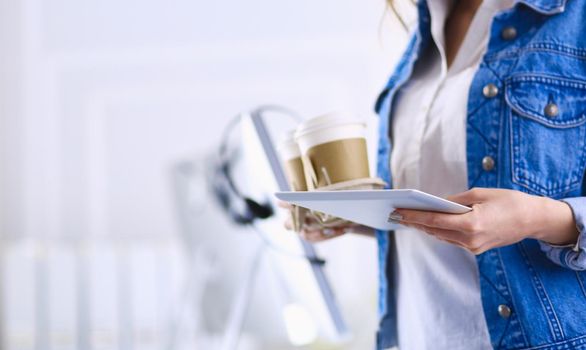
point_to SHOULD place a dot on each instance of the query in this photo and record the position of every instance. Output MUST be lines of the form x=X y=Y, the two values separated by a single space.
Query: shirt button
x=504 y=311
x=551 y=110
x=488 y=163
x=509 y=33
x=490 y=90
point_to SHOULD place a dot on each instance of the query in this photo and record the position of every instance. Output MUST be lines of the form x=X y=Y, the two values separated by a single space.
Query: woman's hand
x=314 y=233
x=499 y=218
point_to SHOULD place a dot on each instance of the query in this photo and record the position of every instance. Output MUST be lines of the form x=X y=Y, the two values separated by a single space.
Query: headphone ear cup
x=227 y=198
x=220 y=190
x=240 y=219
x=261 y=211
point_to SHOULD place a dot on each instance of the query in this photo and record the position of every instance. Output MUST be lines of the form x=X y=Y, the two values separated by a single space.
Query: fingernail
x=395 y=217
x=328 y=231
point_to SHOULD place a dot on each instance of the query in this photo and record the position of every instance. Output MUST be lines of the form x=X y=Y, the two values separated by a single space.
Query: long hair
x=393 y=6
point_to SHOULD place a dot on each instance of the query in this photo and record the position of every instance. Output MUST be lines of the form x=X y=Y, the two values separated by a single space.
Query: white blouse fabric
x=438 y=292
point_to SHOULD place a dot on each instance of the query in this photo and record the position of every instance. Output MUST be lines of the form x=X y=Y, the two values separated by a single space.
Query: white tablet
x=370 y=208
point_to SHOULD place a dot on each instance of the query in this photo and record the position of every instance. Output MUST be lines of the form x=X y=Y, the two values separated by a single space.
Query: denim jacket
x=527 y=112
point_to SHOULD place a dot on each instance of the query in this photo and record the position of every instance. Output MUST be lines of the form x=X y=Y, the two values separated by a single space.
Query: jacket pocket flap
x=551 y=101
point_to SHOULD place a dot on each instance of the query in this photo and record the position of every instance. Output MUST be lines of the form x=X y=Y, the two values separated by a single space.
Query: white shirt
x=438 y=292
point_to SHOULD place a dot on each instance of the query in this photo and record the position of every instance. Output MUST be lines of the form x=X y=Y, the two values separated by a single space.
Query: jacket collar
x=546 y=7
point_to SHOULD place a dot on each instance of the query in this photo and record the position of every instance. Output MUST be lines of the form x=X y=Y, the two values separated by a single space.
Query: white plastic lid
x=328 y=120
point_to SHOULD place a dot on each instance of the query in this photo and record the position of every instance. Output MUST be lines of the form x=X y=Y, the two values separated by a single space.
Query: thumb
x=470 y=197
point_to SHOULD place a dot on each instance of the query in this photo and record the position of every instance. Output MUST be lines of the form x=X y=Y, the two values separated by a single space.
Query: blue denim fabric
x=534 y=152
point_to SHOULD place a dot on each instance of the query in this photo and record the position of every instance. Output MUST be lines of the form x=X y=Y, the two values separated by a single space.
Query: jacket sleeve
x=571 y=256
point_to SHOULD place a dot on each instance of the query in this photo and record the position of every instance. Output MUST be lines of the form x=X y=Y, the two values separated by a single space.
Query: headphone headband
x=242 y=209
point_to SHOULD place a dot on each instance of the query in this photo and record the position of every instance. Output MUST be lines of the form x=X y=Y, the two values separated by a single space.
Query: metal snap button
x=551 y=110
x=488 y=163
x=509 y=33
x=504 y=311
x=490 y=90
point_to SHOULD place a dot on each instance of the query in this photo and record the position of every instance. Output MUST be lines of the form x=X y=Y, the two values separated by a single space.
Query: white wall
x=98 y=99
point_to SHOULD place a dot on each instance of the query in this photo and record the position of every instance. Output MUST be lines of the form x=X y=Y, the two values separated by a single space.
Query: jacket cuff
x=572 y=256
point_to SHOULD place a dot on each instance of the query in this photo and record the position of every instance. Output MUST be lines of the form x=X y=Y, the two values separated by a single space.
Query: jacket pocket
x=547 y=132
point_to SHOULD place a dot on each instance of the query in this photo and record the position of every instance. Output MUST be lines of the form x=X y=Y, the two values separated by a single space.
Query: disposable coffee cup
x=333 y=150
x=291 y=157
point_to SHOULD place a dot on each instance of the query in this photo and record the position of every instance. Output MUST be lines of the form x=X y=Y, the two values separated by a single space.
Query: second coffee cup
x=291 y=156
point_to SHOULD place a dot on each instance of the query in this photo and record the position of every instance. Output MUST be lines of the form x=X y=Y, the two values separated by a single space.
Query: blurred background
x=109 y=114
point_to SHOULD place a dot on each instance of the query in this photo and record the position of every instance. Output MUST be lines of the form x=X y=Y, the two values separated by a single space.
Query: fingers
x=361 y=230
x=450 y=236
x=314 y=232
x=458 y=222
x=473 y=243
x=455 y=222
x=318 y=235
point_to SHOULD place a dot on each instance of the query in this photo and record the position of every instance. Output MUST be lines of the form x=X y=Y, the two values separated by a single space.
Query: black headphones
x=242 y=209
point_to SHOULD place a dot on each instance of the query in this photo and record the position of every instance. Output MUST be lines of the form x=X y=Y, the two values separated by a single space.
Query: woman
x=489 y=96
